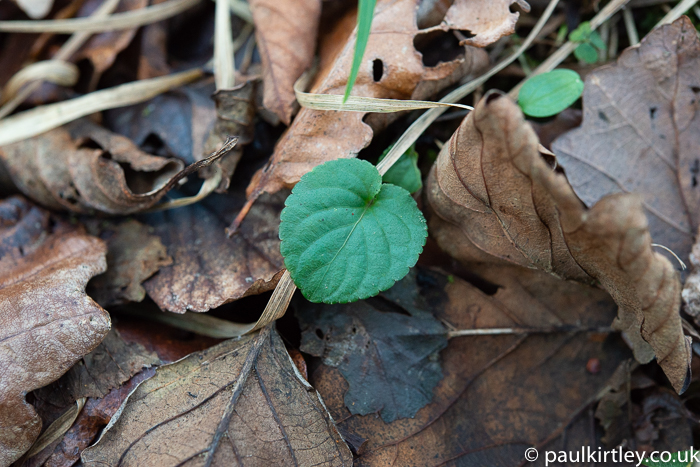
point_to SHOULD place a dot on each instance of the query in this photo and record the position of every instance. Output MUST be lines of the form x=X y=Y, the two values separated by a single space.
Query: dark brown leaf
x=210 y=269
x=133 y=255
x=286 y=35
x=500 y=394
x=47 y=322
x=82 y=167
x=496 y=199
x=641 y=133
x=240 y=403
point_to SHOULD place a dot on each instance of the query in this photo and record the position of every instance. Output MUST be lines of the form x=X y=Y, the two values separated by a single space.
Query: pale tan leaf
x=240 y=403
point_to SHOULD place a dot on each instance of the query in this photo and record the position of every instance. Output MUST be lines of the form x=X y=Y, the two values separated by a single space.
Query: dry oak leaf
x=486 y=21
x=133 y=255
x=392 y=68
x=496 y=199
x=47 y=322
x=500 y=394
x=641 y=133
x=240 y=403
x=210 y=269
x=286 y=35
x=82 y=167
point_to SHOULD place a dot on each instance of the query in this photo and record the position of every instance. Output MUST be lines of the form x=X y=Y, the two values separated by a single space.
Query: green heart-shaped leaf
x=549 y=93
x=346 y=236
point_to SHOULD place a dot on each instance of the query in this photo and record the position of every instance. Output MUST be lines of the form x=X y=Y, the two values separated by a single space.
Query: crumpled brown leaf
x=500 y=394
x=208 y=268
x=82 y=167
x=46 y=321
x=243 y=399
x=133 y=255
x=496 y=199
x=286 y=36
x=391 y=68
x=641 y=133
x=487 y=21
x=235 y=112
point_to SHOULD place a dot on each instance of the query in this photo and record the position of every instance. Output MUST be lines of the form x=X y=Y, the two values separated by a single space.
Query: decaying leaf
x=102 y=49
x=496 y=199
x=47 y=322
x=133 y=255
x=235 y=111
x=486 y=21
x=242 y=402
x=82 y=167
x=208 y=268
x=691 y=288
x=641 y=133
x=286 y=35
x=392 y=68
x=500 y=394
x=389 y=358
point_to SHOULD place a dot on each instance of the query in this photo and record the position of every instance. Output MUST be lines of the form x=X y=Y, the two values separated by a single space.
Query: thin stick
x=424 y=121
x=224 y=66
x=632 y=34
x=125 y=20
x=676 y=12
x=509 y=331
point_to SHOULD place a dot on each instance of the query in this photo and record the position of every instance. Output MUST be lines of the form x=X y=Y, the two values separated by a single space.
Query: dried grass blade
x=125 y=20
x=57 y=429
x=53 y=71
x=224 y=66
x=44 y=118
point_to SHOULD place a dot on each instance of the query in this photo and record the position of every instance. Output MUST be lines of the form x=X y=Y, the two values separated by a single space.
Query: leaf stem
x=509 y=331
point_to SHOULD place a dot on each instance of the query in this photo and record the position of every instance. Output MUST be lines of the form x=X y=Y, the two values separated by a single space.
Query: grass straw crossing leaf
x=346 y=236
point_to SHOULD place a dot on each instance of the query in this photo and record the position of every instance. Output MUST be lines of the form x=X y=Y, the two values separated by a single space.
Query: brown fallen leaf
x=243 y=399
x=102 y=49
x=641 y=133
x=496 y=199
x=691 y=288
x=286 y=35
x=500 y=394
x=208 y=268
x=47 y=322
x=83 y=168
x=485 y=21
x=133 y=255
x=235 y=111
x=392 y=68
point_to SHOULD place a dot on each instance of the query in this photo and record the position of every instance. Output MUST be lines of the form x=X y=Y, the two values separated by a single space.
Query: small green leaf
x=586 y=52
x=597 y=41
x=404 y=172
x=679 y=459
x=548 y=94
x=364 y=26
x=346 y=236
x=581 y=33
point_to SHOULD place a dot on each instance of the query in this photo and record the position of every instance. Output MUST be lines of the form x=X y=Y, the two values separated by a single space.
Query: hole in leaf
x=488 y=288
x=319 y=333
x=437 y=47
x=652 y=113
x=695 y=170
x=603 y=117
x=466 y=34
x=695 y=89
x=377 y=70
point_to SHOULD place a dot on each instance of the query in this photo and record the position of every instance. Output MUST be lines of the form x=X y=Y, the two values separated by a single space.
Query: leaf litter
x=506 y=335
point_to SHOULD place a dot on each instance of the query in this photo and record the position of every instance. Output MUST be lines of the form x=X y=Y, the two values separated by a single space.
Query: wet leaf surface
x=500 y=394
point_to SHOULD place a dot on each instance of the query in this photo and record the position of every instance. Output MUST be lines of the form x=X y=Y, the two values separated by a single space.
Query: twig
x=632 y=35
x=125 y=20
x=508 y=331
x=676 y=12
x=224 y=66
